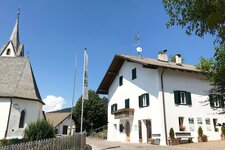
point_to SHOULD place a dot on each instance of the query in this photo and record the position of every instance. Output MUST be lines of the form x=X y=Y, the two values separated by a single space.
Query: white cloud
x=53 y=103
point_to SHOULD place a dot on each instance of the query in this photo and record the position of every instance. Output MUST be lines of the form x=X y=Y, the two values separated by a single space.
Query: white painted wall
x=177 y=80
x=12 y=52
x=66 y=122
x=4 y=112
x=149 y=81
x=32 y=113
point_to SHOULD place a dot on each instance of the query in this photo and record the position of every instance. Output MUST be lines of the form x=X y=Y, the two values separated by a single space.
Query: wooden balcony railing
x=126 y=113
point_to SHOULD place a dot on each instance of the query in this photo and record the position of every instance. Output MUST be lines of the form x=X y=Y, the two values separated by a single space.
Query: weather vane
x=137 y=44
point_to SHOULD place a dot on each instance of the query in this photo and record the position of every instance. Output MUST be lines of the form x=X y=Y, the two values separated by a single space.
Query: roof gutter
x=164 y=106
x=6 y=131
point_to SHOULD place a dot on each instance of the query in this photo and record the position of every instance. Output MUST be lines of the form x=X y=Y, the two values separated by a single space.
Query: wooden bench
x=184 y=135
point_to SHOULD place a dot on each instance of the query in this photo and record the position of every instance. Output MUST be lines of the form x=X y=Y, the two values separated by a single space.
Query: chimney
x=162 y=56
x=178 y=59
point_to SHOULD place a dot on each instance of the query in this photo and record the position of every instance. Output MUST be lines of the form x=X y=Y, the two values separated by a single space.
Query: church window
x=8 y=52
x=22 y=118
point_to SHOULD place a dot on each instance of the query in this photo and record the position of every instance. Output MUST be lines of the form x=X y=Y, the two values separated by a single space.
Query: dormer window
x=8 y=52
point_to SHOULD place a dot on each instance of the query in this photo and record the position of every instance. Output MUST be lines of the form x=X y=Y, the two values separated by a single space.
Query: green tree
x=41 y=129
x=203 y=17
x=214 y=70
x=94 y=112
x=200 y=17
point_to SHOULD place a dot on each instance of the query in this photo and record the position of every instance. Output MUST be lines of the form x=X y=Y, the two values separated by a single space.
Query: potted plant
x=182 y=128
x=223 y=132
x=172 y=140
x=201 y=136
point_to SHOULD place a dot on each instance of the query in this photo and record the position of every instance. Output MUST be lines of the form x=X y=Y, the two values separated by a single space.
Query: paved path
x=108 y=145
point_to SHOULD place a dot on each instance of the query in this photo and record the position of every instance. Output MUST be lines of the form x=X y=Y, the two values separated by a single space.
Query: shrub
x=4 y=142
x=223 y=129
x=172 y=133
x=200 y=132
x=38 y=130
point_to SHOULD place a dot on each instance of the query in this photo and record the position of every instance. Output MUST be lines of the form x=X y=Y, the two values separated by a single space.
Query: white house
x=62 y=122
x=20 y=101
x=147 y=97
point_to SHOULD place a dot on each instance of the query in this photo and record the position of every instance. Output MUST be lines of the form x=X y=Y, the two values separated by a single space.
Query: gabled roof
x=119 y=59
x=17 y=79
x=57 y=117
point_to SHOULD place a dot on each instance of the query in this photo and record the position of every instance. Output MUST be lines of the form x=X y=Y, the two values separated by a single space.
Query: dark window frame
x=120 y=80
x=22 y=119
x=134 y=73
x=141 y=100
x=187 y=97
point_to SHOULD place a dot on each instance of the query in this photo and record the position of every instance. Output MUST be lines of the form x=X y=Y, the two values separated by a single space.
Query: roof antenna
x=137 y=44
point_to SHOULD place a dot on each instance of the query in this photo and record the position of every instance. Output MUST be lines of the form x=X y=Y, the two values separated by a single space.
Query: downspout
x=6 y=132
x=164 y=107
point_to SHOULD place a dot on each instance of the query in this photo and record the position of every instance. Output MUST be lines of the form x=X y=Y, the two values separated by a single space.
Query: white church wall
x=4 y=113
x=32 y=110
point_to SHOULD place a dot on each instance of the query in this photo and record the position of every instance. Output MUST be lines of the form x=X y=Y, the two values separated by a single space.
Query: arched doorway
x=127 y=131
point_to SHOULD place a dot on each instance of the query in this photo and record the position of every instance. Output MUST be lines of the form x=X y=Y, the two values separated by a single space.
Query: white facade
x=10 y=116
x=151 y=118
x=65 y=124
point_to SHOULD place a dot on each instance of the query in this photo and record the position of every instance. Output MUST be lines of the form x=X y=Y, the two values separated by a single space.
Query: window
x=215 y=125
x=22 y=118
x=191 y=120
x=207 y=121
x=121 y=127
x=199 y=120
x=65 y=128
x=134 y=74
x=121 y=80
x=113 y=108
x=144 y=100
x=216 y=101
x=181 y=124
x=127 y=103
x=182 y=98
x=191 y=124
x=8 y=52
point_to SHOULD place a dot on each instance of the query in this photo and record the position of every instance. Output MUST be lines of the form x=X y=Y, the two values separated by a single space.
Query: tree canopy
x=198 y=16
x=95 y=111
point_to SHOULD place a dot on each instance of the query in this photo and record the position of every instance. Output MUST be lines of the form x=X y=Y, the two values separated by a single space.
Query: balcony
x=126 y=113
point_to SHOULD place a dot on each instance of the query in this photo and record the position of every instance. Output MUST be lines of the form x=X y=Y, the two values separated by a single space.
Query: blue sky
x=53 y=32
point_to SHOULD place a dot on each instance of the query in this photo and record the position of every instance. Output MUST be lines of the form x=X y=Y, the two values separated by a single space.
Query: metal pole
x=74 y=87
x=81 y=122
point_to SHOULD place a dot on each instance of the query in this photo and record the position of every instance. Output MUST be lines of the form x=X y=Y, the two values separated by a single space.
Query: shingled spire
x=15 y=34
x=13 y=48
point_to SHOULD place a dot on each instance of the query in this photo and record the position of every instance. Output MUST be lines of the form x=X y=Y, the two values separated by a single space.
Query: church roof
x=17 y=79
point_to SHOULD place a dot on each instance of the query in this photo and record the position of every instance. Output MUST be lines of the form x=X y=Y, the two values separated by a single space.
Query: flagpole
x=74 y=87
x=85 y=88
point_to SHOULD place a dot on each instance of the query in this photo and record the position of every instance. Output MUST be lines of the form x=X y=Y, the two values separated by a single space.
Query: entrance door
x=149 y=130
x=127 y=130
x=140 y=130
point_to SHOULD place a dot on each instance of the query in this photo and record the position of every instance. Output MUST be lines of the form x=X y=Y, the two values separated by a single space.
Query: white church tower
x=20 y=101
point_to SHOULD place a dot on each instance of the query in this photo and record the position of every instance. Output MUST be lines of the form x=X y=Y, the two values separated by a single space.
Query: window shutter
x=127 y=103
x=112 y=108
x=211 y=100
x=134 y=75
x=188 y=98
x=176 y=97
x=140 y=101
x=115 y=107
x=147 y=99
